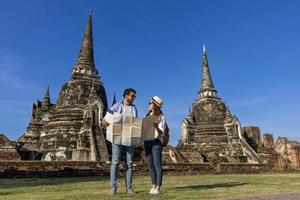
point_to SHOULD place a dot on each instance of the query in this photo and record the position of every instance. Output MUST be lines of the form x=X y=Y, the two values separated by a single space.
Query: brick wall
x=50 y=169
x=87 y=168
x=9 y=154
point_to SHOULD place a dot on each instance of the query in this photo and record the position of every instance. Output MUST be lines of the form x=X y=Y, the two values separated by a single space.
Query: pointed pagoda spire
x=46 y=101
x=206 y=77
x=85 y=58
x=47 y=94
x=207 y=86
x=114 y=100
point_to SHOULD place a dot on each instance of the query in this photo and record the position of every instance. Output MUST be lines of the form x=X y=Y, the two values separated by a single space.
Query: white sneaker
x=155 y=192
x=151 y=190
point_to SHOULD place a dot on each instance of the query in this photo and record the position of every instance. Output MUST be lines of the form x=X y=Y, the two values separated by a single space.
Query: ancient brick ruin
x=8 y=149
x=210 y=132
x=41 y=110
x=212 y=138
x=289 y=152
x=69 y=129
x=283 y=154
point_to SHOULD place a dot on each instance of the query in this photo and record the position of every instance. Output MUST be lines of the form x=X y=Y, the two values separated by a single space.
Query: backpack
x=166 y=136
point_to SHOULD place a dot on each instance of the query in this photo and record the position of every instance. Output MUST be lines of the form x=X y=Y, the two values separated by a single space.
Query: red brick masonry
x=87 y=168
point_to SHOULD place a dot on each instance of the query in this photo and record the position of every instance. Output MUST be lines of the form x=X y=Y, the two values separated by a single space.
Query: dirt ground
x=289 y=196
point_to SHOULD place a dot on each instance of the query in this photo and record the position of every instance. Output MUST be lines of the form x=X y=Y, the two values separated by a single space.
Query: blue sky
x=155 y=46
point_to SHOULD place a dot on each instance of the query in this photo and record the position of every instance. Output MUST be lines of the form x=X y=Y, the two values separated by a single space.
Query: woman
x=153 y=148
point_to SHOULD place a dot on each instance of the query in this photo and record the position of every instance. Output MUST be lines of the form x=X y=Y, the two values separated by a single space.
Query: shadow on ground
x=34 y=182
x=210 y=186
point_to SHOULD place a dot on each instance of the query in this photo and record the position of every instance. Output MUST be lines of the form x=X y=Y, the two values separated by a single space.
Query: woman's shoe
x=155 y=192
x=151 y=190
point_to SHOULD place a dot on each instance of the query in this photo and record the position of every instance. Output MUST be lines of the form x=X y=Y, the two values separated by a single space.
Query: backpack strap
x=121 y=110
x=135 y=109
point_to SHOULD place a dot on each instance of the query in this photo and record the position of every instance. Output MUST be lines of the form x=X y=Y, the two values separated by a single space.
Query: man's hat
x=157 y=101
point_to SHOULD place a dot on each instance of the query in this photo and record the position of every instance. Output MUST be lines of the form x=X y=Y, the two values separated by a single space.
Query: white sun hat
x=157 y=101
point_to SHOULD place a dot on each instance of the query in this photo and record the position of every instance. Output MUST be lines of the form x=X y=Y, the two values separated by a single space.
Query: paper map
x=127 y=130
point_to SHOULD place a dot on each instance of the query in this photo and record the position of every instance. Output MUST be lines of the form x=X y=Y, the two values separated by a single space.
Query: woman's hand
x=155 y=125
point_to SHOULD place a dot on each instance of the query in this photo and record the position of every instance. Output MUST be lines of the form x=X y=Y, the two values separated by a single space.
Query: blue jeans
x=115 y=160
x=153 y=150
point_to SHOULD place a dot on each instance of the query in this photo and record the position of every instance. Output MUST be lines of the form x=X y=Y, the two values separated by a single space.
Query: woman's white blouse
x=161 y=126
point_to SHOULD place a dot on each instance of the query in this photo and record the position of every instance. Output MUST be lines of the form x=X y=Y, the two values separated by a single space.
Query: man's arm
x=107 y=117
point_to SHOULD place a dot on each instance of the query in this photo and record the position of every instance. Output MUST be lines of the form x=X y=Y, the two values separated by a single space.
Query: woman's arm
x=161 y=126
x=159 y=131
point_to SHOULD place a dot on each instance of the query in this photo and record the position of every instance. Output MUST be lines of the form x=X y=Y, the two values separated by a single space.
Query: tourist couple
x=153 y=148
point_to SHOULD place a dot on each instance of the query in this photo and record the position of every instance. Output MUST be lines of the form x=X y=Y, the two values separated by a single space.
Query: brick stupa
x=69 y=129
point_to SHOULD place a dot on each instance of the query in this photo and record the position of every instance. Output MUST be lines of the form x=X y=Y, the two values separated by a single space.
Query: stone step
x=211 y=129
x=71 y=113
x=100 y=143
x=66 y=119
x=212 y=133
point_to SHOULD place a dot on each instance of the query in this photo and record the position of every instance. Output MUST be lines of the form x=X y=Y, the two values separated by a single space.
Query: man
x=126 y=108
